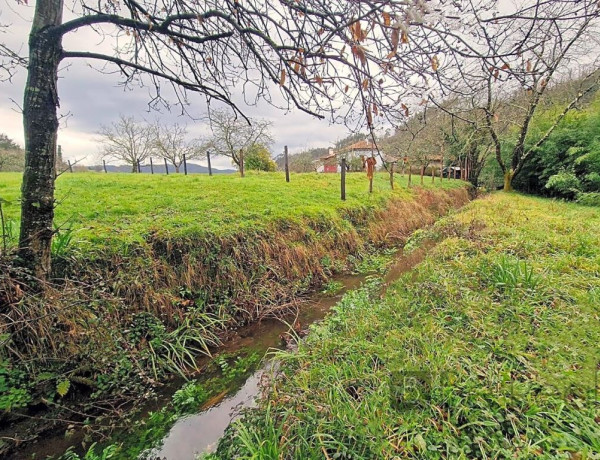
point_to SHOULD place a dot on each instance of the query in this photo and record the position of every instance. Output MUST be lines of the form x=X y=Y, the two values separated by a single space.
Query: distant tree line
x=134 y=142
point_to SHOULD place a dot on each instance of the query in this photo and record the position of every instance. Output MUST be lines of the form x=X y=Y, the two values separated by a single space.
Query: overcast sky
x=90 y=99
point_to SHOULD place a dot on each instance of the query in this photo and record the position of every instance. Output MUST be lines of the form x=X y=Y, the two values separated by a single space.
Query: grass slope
x=159 y=270
x=489 y=349
x=112 y=210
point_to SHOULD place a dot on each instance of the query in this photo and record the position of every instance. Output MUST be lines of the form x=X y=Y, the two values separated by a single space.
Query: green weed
x=507 y=274
x=331 y=288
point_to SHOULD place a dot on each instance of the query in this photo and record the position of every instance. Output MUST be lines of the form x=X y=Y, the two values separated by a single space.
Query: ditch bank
x=118 y=324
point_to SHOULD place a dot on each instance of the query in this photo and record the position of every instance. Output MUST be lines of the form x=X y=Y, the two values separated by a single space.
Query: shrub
x=565 y=184
x=589 y=199
x=258 y=158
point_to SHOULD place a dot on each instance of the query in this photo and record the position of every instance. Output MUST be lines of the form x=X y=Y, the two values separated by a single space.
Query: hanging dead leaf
x=282 y=78
x=505 y=67
x=387 y=19
x=369 y=117
x=496 y=74
x=528 y=66
x=359 y=52
x=358 y=34
x=395 y=39
x=319 y=80
x=404 y=37
x=365 y=84
x=346 y=89
x=406 y=112
x=435 y=63
x=375 y=109
x=321 y=31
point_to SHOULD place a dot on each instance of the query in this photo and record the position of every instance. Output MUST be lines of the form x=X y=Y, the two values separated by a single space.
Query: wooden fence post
x=343 y=184
x=432 y=174
x=70 y=165
x=184 y=165
x=104 y=164
x=209 y=166
x=422 y=173
x=166 y=167
x=139 y=166
x=151 y=166
x=241 y=162
x=287 y=166
x=409 y=174
x=392 y=175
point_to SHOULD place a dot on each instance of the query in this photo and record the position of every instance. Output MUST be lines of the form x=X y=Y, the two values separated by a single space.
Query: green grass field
x=488 y=349
x=109 y=209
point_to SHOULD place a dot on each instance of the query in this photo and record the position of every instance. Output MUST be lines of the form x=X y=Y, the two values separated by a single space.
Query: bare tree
x=232 y=136
x=515 y=55
x=127 y=140
x=172 y=144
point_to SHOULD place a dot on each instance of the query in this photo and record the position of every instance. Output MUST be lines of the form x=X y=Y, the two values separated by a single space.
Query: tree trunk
x=176 y=168
x=40 y=123
x=133 y=168
x=508 y=177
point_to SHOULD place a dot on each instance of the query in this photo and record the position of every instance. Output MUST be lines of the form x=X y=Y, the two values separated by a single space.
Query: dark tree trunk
x=41 y=127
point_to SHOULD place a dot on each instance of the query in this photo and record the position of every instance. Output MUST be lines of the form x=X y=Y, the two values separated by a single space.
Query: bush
x=258 y=158
x=592 y=181
x=589 y=199
x=565 y=184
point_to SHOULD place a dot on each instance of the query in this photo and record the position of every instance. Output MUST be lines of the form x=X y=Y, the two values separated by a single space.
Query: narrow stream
x=200 y=433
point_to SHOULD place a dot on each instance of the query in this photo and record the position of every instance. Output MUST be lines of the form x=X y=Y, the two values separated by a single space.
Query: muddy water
x=200 y=433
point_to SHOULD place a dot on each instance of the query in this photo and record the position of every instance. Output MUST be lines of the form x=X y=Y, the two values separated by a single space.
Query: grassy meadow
x=109 y=210
x=151 y=272
x=488 y=349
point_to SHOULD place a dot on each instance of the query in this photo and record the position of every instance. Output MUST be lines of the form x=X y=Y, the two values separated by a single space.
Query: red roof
x=360 y=145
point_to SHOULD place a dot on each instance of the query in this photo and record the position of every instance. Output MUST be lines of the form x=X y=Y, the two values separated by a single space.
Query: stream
x=199 y=433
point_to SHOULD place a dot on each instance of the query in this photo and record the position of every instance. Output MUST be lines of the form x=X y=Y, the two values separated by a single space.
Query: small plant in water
x=331 y=288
